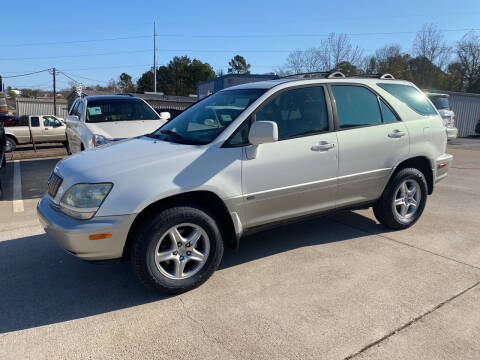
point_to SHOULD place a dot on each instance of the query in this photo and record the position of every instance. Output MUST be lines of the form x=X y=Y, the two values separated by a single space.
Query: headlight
x=99 y=140
x=83 y=200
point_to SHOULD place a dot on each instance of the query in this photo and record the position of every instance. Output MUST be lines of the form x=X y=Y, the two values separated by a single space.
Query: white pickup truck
x=44 y=129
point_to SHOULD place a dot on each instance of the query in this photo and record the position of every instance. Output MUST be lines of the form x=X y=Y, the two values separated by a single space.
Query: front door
x=297 y=174
x=371 y=140
x=53 y=129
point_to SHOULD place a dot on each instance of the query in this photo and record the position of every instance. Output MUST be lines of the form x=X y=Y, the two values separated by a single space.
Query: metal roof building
x=205 y=88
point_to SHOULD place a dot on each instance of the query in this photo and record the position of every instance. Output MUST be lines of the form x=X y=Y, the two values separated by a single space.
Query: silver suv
x=242 y=158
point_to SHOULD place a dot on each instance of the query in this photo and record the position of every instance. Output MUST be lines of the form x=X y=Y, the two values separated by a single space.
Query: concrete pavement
x=336 y=287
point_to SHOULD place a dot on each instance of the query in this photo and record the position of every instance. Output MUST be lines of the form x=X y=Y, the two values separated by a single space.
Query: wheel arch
x=11 y=136
x=423 y=164
x=202 y=198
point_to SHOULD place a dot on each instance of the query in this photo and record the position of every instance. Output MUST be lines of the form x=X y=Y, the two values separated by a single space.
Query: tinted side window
x=387 y=115
x=356 y=106
x=35 y=121
x=240 y=137
x=72 y=109
x=297 y=112
x=79 y=110
x=410 y=96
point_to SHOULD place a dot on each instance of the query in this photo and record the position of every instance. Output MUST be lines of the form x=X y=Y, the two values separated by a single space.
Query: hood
x=124 y=129
x=104 y=163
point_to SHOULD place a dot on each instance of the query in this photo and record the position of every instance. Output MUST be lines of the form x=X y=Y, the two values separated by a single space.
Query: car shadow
x=43 y=285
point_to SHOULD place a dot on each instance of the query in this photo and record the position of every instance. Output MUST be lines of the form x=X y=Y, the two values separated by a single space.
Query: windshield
x=204 y=121
x=119 y=110
x=441 y=103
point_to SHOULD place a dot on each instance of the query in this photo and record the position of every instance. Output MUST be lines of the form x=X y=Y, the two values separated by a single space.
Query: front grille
x=54 y=183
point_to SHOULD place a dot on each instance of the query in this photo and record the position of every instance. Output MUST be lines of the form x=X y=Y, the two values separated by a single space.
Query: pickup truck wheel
x=403 y=200
x=11 y=145
x=177 y=250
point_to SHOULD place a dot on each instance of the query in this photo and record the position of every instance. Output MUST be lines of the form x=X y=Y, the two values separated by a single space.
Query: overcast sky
x=94 y=41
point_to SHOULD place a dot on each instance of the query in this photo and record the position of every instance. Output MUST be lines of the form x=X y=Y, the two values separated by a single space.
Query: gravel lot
x=336 y=287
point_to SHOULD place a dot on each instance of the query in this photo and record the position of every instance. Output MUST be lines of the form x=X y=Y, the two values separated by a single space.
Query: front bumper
x=442 y=165
x=452 y=132
x=73 y=235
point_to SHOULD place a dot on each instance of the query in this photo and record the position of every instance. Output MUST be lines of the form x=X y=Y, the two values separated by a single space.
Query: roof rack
x=385 y=76
x=335 y=74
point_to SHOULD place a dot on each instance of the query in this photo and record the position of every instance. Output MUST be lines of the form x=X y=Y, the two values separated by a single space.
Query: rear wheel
x=403 y=200
x=11 y=144
x=178 y=249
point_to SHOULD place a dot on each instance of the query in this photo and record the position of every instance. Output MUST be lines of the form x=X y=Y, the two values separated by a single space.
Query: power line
x=77 y=41
x=31 y=73
x=228 y=36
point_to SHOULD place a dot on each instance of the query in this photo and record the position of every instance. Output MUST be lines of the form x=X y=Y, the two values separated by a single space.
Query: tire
x=67 y=146
x=157 y=235
x=11 y=145
x=403 y=201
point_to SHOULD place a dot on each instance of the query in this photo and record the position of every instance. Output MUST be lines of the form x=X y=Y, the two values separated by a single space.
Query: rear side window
x=387 y=115
x=410 y=96
x=35 y=121
x=356 y=106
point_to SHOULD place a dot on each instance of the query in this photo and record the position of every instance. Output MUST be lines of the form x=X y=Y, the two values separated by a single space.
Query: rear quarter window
x=409 y=95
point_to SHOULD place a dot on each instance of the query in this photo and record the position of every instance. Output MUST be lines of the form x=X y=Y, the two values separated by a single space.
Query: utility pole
x=154 y=58
x=54 y=93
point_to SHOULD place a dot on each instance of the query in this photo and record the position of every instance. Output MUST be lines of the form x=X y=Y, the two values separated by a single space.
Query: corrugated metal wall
x=40 y=107
x=467 y=110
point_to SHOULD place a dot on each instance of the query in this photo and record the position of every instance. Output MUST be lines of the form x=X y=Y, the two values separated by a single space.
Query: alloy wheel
x=182 y=251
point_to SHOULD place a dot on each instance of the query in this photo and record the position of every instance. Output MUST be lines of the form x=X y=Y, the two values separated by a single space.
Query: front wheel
x=10 y=145
x=403 y=200
x=178 y=249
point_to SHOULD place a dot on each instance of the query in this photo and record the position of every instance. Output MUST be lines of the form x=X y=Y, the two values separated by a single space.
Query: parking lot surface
x=340 y=286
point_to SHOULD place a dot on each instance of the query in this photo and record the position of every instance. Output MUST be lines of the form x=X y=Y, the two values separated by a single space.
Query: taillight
x=454 y=118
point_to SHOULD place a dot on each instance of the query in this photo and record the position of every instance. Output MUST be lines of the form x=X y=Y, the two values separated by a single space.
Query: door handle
x=397 y=134
x=45 y=128
x=322 y=146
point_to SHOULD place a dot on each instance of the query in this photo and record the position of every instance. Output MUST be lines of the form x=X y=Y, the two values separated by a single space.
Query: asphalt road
x=336 y=287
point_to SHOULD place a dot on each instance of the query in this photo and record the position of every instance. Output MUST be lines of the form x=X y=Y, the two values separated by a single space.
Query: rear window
x=118 y=110
x=440 y=102
x=410 y=96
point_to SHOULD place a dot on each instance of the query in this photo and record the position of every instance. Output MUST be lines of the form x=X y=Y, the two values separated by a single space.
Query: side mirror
x=262 y=132
x=165 y=115
x=72 y=118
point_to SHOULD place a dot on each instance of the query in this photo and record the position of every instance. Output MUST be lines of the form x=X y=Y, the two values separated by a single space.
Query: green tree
x=125 y=83
x=238 y=65
x=10 y=93
x=179 y=77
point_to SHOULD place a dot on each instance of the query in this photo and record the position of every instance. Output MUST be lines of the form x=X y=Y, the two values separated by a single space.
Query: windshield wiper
x=174 y=134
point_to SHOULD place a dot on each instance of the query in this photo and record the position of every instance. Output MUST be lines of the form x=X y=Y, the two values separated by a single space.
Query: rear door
x=36 y=129
x=297 y=174
x=371 y=139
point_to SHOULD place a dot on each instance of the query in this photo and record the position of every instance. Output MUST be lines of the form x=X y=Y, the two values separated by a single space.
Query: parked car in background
x=9 y=120
x=443 y=106
x=99 y=120
x=3 y=104
x=44 y=129
x=241 y=159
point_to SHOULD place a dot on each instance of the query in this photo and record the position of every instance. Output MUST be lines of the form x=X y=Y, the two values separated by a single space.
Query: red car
x=9 y=120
